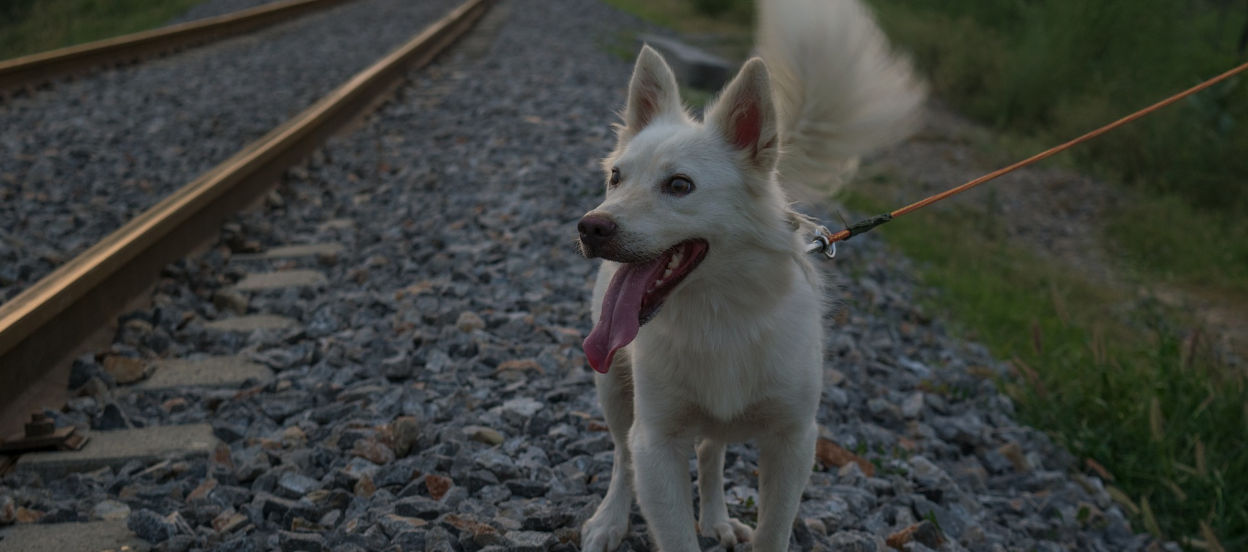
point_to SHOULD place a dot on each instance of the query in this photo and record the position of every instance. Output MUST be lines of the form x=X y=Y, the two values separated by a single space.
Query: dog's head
x=672 y=179
x=678 y=190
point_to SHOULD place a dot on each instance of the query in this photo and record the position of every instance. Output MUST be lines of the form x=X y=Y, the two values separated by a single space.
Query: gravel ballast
x=80 y=158
x=434 y=395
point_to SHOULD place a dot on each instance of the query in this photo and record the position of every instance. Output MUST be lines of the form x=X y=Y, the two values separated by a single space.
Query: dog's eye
x=615 y=177
x=678 y=185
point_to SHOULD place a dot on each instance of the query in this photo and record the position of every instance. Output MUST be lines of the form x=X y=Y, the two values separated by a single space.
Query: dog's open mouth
x=634 y=296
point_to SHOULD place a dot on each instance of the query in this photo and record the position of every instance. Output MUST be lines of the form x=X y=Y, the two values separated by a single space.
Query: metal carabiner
x=821 y=244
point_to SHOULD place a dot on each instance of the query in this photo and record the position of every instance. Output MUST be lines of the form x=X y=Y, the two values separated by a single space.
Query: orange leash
x=825 y=239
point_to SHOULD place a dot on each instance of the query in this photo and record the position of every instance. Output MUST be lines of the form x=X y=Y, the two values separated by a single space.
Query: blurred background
x=30 y=26
x=1113 y=279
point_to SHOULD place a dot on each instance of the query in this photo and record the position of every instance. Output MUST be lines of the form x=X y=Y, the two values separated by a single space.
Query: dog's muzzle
x=597 y=232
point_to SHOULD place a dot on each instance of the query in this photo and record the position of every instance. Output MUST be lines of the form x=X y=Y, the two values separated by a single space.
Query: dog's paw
x=603 y=533
x=728 y=532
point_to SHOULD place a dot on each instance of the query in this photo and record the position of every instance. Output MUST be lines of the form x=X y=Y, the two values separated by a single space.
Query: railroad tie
x=263 y=281
x=319 y=250
x=109 y=534
x=114 y=449
x=219 y=371
x=251 y=323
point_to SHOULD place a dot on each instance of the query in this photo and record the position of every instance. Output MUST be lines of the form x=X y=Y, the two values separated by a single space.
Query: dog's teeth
x=666 y=273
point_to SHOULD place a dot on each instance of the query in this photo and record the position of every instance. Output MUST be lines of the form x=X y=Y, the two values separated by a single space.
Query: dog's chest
x=721 y=370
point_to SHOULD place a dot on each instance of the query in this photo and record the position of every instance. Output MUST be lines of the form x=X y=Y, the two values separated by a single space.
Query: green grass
x=1048 y=71
x=1201 y=249
x=1113 y=378
x=31 y=26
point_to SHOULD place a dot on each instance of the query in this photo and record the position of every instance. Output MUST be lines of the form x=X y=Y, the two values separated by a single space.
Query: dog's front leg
x=784 y=463
x=713 y=520
x=661 y=470
x=606 y=529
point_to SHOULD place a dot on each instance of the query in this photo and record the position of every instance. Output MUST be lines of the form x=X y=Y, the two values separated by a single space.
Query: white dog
x=708 y=315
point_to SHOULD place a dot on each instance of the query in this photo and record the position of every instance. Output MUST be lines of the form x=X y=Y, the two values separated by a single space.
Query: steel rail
x=42 y=67
x=47 y=324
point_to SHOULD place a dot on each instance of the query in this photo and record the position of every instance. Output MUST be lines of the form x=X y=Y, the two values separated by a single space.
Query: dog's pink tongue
x=619 y=321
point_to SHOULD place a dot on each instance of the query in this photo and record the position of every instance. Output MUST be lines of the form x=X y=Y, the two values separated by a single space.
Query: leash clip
x=821 y=244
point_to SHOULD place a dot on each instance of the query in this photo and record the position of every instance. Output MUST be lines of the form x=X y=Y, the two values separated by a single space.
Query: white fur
x=736 y=351
x=840 y=91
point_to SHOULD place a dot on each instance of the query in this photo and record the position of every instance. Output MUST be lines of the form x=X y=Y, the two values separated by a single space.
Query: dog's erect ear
x=746 y=117
x=651 y=92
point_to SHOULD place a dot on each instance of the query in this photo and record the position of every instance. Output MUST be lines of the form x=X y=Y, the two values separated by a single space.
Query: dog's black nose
x=596 y=230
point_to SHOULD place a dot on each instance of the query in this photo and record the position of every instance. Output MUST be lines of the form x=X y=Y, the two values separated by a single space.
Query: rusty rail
x=47 y=324
x=42 y=67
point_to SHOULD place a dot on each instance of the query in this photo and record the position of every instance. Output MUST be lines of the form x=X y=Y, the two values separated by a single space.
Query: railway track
x=42 y=328
x=39 y=68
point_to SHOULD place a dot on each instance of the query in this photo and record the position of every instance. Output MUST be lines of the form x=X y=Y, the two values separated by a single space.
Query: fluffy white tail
x=840 y=91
